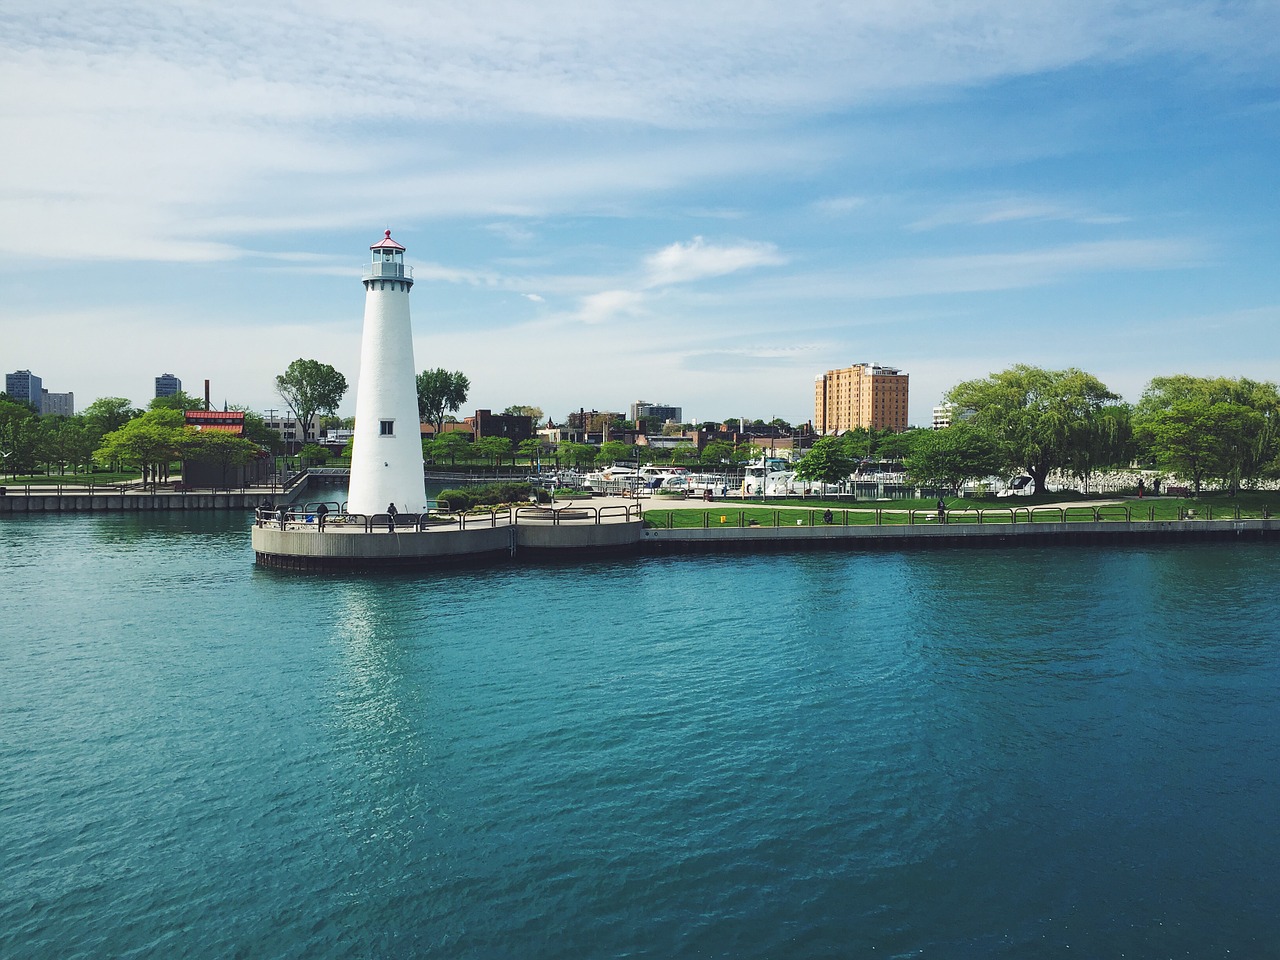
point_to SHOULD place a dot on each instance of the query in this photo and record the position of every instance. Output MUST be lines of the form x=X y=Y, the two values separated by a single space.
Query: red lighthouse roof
x=386 y=243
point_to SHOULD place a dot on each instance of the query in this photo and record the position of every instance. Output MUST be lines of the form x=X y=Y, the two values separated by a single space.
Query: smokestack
x=206 y=394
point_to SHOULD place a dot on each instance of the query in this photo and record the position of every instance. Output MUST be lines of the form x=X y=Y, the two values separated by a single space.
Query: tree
x=256 y=429
x=891 y=445
x=109 y=413
x=685 y=453
x=495 y=448
x=149 y=442
x=717 y=453
x=950 y=456
x=439 y=392
x=1036 y=417
x=314 y=454
x=611 y=451
x=826 y=462
x=1210 y=428
x=19 y=435
x=223 y=450
x=862 y=443
x=310 y=387
x=178 y=401
x=524 y=410
x=576 y=454
x=1102 y=441
x=531 y=448
x=66 y=442
x=452 y=445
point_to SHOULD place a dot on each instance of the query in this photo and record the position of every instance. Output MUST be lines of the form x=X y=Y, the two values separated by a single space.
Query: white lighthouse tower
x=386 y=453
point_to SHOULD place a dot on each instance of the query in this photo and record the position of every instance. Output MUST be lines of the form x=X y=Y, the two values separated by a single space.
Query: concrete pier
x=504 y=535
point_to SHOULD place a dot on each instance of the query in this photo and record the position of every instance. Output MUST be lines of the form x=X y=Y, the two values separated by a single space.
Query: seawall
x=926 y=536
x=345 y=549
x=102 y=502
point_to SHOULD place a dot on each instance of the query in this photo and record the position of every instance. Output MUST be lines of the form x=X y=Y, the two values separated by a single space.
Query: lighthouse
x=386 y=453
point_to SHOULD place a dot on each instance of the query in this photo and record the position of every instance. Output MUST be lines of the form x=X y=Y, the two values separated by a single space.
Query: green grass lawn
x=1042 y=509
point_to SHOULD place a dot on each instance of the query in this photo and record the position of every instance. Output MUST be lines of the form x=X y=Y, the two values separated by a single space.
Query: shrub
x=315 y=454
x=488 y=494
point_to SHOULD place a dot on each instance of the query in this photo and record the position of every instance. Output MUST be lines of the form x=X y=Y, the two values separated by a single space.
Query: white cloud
x=142 y=131
x=533 y=296
x=698 y=260
x=609 y=304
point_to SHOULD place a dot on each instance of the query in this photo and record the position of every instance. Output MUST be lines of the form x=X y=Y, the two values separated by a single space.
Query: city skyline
x=710 y=206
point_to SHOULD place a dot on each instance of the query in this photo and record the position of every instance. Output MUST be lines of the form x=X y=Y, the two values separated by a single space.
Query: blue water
x=1048 y=753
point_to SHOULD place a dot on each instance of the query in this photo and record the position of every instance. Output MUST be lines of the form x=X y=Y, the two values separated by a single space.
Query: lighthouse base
x=335 y=546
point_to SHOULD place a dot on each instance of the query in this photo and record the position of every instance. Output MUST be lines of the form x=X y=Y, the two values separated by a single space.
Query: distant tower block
x=386 y=455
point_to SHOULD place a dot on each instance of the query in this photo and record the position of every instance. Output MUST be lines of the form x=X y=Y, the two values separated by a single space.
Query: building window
x=387 y=428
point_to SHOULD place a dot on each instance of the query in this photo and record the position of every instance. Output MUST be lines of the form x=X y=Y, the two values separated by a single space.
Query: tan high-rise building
x=864 y=395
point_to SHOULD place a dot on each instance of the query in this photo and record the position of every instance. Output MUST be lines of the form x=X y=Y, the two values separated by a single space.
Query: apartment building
x=25 y=385
x=864 y=395
x=57 y=404
x=167 y=385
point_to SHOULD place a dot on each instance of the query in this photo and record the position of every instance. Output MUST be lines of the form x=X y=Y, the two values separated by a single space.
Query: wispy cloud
x=148 y=119
x=1010 y=210
x=511 y=232
x=838 y=206
x=908 y=277
x=698 y=260
x=608 y=305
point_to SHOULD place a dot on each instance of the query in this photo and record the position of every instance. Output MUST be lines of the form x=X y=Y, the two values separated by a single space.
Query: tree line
x=1024 y=419
x=1035 y=421
x=114 y=434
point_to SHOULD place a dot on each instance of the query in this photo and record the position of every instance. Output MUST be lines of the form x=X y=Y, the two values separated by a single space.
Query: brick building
x=863 y=395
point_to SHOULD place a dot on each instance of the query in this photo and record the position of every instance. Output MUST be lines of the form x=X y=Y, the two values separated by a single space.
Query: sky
x=704 y=205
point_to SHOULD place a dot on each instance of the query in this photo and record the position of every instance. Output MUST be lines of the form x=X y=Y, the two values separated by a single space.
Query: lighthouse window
x=388 y=428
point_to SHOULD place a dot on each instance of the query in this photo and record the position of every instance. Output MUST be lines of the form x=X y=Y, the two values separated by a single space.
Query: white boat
x=614 y=479
x=776 y=478
x=769 y=477
x=704 y=485
x=653 y=477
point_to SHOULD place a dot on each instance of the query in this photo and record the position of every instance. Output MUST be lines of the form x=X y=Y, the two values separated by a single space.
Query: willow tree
x=948 y=457
x=1037 y=418
x=1216 y=428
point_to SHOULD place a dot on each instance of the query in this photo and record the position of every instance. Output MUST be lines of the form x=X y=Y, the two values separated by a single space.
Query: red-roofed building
x=198 y=473
x=224 y=421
